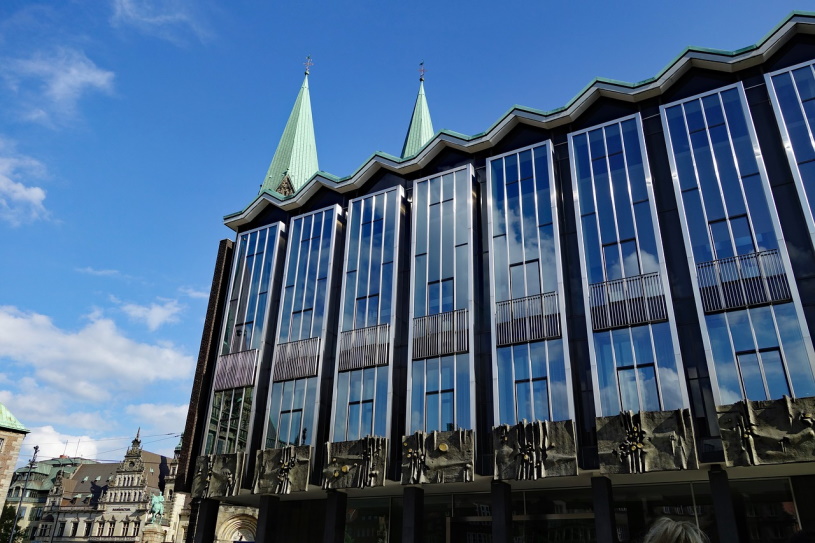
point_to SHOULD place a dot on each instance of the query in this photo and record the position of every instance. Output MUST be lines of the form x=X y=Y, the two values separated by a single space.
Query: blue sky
x=128 y=128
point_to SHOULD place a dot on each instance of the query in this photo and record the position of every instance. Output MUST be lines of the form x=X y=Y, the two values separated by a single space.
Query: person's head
x=666 y=530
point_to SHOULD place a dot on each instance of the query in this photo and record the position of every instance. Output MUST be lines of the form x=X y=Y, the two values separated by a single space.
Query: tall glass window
x=249 y=291
x=793 y=95
x=307 y=270
x=440 y=378
x=229 y=420
x=243 y=336
x=635 y=365
x=530 y=363
x=296 y=365
x=292 y=413
x=730 y=225
x=366 y=323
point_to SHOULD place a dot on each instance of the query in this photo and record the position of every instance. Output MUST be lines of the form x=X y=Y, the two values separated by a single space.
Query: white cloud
x=99 y=273
x=155 y=314
x=95 y=363
x=159 y=418
x=52 y=83
x=19 y=202
x=194 y=293
x=167 y=19
x=53 y=443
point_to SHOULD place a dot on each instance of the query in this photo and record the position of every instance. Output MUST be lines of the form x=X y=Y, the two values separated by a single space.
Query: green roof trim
x=685 y=55
x=295 y=160
x=421 y=126
x=10 y=422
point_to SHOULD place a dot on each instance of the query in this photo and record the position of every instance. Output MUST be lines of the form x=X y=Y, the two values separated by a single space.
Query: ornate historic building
x=564 y=327
x=74 y=500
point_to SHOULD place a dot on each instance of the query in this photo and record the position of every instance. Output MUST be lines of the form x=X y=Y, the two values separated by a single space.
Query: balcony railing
x=527 y=319
x=625 y=302
x=743 y=281
x=296 y=359
x=441 y=334
x=364 y=347
x=236 y=370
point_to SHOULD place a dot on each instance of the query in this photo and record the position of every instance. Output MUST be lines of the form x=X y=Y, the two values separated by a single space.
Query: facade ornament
x=282 y=471
x=646 y=441
x=355 y=464
x=438 y=457
x=531 y=450
x=768 y=432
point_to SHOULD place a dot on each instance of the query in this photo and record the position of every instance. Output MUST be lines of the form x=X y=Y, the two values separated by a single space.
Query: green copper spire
x=295 y=159
x=421 y=127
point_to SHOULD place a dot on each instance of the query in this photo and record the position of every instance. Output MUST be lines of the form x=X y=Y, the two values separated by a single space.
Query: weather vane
x=422 y=71
x=308 y=64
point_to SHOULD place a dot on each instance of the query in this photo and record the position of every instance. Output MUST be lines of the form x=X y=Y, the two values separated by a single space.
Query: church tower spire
x=295 y=159
x=421 y=127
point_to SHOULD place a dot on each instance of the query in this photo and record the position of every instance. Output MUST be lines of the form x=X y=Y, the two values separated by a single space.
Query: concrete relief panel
x=282 y=471
x=218 y=475
x=438 y=457
x=531 y=450
x=355 y=464
x=646 y=441
x=768 y=432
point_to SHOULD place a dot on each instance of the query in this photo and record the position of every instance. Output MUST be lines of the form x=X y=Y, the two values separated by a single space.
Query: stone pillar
x=501 y=498
x=605 y=527
x=152 y=533
x=413 y=515
x=727 y=522
x=336 y=505
x=207 y=521
x=268 y=513
x=803 y=488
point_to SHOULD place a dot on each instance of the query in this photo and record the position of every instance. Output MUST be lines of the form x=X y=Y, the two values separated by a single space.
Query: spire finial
x=422 y=71
x=308 y=64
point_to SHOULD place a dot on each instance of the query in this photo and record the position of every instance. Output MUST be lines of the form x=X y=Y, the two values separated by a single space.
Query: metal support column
x=268 y=520
x=413 y=515
x=336 y=504
x=605 y=527
x=501 y=497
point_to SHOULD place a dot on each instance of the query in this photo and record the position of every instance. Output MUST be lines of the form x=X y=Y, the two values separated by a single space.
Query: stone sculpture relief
x=768 y=432
x=282 y=471
x=355 y=464
x=531 y=450
x=218 y=475
x=438 y=457
x=646 y=441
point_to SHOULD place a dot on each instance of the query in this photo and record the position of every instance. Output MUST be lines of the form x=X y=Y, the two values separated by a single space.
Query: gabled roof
x=797 y=22
x=10 y=422
x=421 y=127
x=295 y=160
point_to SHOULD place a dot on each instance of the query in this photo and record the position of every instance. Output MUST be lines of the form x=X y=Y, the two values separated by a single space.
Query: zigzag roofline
x=798 y=22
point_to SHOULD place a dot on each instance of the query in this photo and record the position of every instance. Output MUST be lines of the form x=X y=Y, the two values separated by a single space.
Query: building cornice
x=797 y=22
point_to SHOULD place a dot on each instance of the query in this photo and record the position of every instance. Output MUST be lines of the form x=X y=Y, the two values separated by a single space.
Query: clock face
x=132 y=463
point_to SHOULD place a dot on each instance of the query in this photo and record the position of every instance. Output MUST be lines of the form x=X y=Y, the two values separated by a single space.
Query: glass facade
x=367 y=319
x=249 y=291
x=635 y=361
x=294 y=399
x=793 y=95
x=441 y=373
x=244 y=332
x=757 y=347
x=530 y=363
